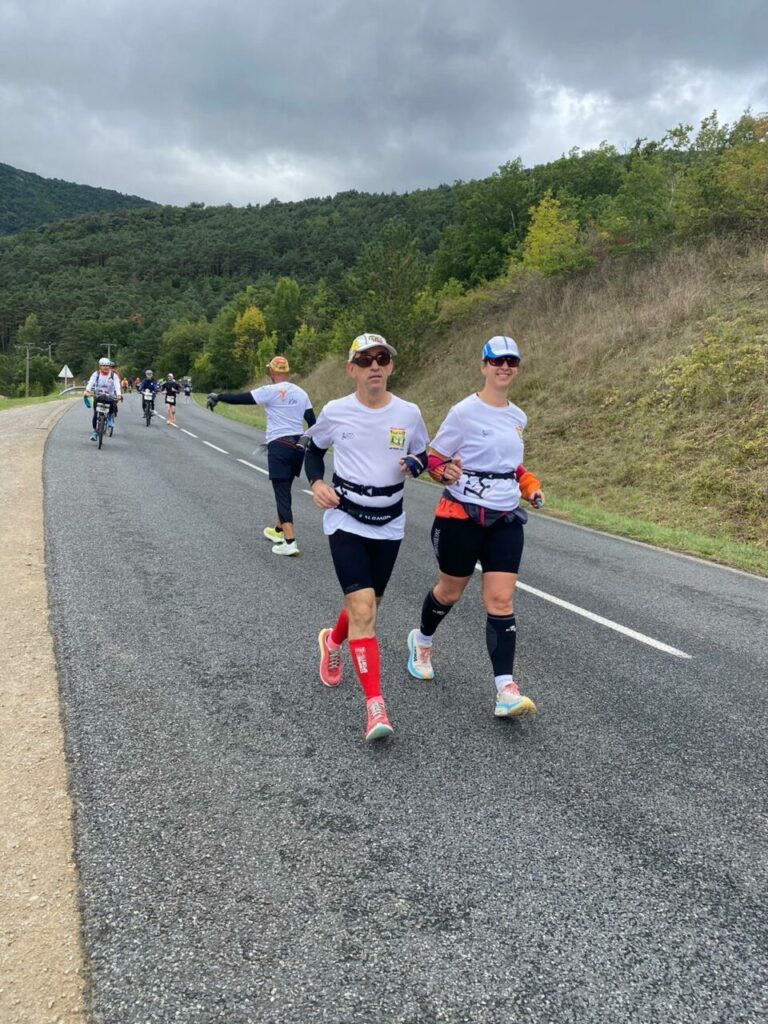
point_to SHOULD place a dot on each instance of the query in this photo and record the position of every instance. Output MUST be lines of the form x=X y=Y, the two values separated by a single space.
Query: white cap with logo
x=500 y=345
x=365 y=341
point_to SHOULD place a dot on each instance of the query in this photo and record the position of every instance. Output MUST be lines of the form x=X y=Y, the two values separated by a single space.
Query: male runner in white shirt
x=288 y=408
x=378 y=440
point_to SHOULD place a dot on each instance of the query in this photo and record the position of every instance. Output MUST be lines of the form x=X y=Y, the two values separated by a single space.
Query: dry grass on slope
x=645 y=386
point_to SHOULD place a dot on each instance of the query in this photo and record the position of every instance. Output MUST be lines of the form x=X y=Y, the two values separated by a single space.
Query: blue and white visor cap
x=366 y=341
x=500 y=346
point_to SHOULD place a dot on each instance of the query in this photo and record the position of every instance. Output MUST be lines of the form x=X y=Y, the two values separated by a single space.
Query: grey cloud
x=384 y=96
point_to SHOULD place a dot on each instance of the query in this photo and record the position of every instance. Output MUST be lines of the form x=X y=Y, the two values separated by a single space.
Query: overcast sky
x=242 y=100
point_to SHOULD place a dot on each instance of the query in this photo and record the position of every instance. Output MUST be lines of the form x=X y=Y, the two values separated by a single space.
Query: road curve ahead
x=246 y=857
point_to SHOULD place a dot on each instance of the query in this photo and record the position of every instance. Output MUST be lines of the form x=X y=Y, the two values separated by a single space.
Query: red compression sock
x=365 y=658
x=341 y=629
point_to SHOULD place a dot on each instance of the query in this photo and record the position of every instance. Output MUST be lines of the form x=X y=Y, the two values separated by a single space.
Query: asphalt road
x=246 y=857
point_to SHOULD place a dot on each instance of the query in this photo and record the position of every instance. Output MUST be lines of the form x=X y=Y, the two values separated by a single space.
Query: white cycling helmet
x=105 y=362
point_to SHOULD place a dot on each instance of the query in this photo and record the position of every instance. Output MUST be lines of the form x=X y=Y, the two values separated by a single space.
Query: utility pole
x=29 y=348
x=108 y=346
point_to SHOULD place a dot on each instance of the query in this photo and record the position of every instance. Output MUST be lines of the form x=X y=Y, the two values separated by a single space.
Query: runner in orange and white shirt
x=478 y=453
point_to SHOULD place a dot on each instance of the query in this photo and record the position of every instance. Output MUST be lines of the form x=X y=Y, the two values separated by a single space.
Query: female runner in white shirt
x=478 y=453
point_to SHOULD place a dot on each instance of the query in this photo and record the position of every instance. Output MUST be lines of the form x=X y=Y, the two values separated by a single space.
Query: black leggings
x=112 y=412
x=282 y=489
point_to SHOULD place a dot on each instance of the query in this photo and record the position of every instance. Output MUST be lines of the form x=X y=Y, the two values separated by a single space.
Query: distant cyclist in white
x=103 y=382
x=288 y=408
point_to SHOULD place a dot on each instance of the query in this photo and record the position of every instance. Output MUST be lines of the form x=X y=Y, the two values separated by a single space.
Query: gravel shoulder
x=42 y=975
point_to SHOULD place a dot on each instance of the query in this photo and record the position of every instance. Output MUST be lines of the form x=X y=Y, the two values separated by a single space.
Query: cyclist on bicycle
x=103 y=384
x=148 y=389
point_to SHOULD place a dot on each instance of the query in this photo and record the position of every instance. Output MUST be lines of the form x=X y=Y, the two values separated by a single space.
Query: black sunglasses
x=382 y=358
x=503 y=361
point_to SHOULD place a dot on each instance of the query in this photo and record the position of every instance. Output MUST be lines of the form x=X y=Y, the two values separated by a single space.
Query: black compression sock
x=432 y=614
x=500 y=637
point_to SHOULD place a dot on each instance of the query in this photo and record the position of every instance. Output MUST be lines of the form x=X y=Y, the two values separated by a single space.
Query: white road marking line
x=160 y=415
x=216 y=447
x=625 y=630
x=188 y=432
x=251 y=466
x=606 y=622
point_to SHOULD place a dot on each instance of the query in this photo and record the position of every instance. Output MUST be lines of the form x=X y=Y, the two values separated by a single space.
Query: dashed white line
x=216 y=447
x=605 y=622
x=188 y=432
x=251 y=466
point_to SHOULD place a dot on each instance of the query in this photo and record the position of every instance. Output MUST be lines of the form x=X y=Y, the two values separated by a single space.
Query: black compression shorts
x=460 y=544
x=362 y=563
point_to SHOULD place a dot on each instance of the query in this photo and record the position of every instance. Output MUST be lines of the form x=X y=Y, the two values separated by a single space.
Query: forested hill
x=27 y=200
x=170 y=262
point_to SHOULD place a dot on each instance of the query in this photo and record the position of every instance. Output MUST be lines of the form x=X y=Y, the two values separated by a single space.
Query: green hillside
x=636 y=281
x=646 y=389
x=27 y=200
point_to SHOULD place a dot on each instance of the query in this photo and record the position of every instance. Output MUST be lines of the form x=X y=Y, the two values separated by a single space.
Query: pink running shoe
x=378 y=726
x=330 y=661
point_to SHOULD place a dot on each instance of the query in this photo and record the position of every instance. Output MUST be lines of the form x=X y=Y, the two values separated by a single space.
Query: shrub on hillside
x=553 y=244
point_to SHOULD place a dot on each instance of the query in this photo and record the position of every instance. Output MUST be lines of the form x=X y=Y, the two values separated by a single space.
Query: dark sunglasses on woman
x=504 y=361
x=382 y=358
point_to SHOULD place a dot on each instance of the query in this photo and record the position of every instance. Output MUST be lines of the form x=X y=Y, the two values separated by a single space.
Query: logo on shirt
x=347 y=435
x=397 y=438
x=485 y=433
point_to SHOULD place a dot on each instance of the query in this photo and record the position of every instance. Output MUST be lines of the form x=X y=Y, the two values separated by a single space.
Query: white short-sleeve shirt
x=108 y=382
x=285 y=405
x=486 y=438
x=368 y=445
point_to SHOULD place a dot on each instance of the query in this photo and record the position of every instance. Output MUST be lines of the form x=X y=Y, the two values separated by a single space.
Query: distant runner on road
x=171 y=389
x=288 y=408
x=478 y=453
x=374 y=435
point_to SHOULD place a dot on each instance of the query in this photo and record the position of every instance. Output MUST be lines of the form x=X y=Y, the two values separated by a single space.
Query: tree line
x=215 y=292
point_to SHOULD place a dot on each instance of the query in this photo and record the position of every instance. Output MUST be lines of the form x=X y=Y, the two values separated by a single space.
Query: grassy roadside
x=719 y=548
x=646 y=389
x=13 y=403
x=251 y=415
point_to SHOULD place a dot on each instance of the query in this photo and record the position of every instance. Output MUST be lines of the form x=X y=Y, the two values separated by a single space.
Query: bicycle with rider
x=104 y=385
x=148 y=389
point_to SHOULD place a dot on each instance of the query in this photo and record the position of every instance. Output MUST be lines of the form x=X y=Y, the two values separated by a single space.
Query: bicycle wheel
x=148 y=412
x=101 y=424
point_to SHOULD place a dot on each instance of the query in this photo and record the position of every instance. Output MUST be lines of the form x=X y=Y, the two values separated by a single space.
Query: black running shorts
x=460 y=544
x=284 y=459
x=362 y=563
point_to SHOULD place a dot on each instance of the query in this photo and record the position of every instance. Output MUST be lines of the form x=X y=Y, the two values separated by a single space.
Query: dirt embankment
x=41 y=961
